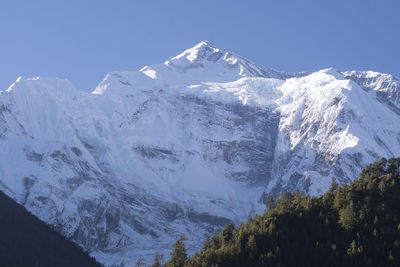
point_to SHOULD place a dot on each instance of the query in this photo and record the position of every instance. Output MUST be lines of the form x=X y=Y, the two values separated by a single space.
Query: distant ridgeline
x=27 y=241
x=353 y=225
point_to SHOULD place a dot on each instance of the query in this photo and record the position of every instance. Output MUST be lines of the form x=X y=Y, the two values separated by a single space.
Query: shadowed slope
x=27 y=241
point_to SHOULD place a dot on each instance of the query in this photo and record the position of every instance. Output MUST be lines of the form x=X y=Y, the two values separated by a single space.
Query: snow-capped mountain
x=186 y=146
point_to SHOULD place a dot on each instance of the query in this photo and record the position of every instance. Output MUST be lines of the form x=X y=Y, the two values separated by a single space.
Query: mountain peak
x=206 y=55
x=197 y=52
x=205 y=43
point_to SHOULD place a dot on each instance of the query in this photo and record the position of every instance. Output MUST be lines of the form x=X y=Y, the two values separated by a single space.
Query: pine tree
x=226 y=234
x=252 y=248
x=178 y=254
x=347 y=217
x=139 y=262
x=207 y=244
x=156 y=262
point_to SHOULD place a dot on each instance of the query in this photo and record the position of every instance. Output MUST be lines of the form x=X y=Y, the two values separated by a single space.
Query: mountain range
x=186 y=146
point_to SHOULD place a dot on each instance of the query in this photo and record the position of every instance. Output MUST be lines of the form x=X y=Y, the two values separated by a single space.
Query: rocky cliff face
x=185 y=146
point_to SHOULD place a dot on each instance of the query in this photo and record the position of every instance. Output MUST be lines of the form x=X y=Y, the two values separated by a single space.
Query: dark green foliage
x=352 y=225
x=226 y=234
x=140 y=262
x=157 y=262
x=27 y=241
x=178 y=254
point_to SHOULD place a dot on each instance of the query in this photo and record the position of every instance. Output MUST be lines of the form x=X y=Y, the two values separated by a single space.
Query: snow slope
x=185 y=146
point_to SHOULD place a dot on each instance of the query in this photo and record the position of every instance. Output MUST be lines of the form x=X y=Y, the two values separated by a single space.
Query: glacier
x=186 y=146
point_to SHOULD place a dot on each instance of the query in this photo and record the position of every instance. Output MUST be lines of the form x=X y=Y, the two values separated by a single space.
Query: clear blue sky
x=82 y=40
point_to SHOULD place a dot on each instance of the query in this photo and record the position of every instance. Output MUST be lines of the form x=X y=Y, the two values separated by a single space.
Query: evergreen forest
x=357 y=224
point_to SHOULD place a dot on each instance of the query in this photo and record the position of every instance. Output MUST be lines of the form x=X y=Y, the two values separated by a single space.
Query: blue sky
x=83 y=40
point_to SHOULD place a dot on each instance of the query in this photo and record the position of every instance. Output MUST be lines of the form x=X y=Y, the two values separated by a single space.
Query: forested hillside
x=353 y=225
x=27 y=241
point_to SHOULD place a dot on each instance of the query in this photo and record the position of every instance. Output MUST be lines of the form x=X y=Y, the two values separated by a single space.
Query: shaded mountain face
x=185 y=146
x=28 y=241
